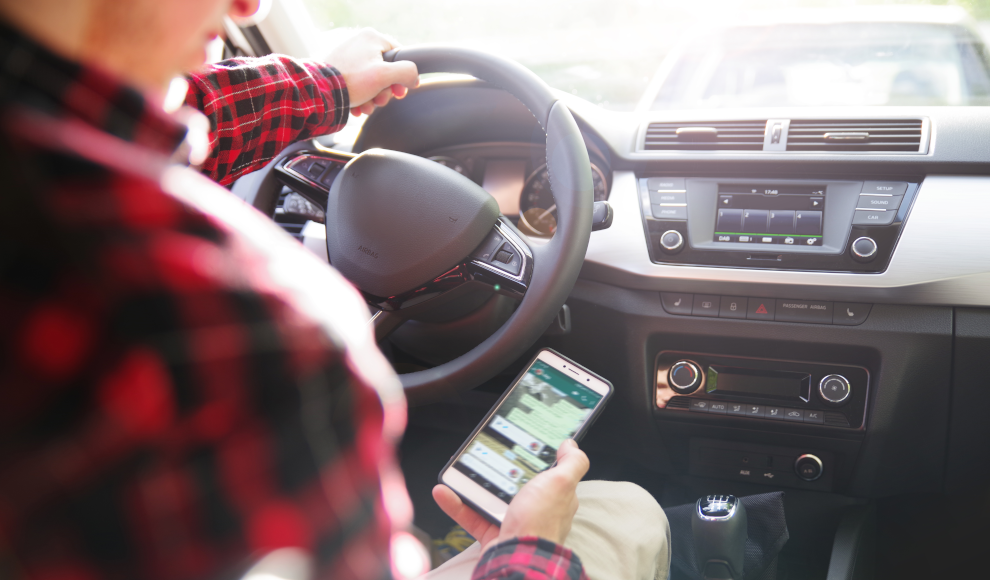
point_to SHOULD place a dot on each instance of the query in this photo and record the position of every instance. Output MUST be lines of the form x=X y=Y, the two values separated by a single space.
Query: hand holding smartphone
x=553 y=400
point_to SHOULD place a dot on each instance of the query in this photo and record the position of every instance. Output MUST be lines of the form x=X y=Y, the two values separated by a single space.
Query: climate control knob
x=671 y=241
x=834 y=389
x=808 y=467
x=684 y=377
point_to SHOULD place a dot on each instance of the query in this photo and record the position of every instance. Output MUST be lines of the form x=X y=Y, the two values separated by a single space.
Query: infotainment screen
x=775 y=214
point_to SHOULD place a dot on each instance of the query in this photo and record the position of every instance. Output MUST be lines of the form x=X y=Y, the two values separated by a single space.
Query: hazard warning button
x=760 y=309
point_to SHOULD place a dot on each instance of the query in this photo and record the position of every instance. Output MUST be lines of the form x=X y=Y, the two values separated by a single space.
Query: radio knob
x=863 y=249
x=808 y=467
x=834 y=389
x=672 y=241
x=684 y=377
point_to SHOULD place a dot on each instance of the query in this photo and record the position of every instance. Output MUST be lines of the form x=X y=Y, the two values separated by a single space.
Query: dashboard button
x=808 y=223
x=684 y=377
x=850 y=313
x=725 y=201
x=876 y=201
x=736 y=409
x=755 y=221
x=663 y=197
x=677 y=303
x=671 y=241
x=774 y=413
x=873 y=218
x=816 y=202
x=666 y=183
x=781 y=221
x=718 y=408
x=863 y=249
x=760 y=308
x=733 y=307
x=810 y=311
x=729 y=220
x=699 y=406
x=705 y=305
x=808 y=467
x=669 y=212
x=815 y=417
x=754 y=410
x=795 y=415
x=888 y=187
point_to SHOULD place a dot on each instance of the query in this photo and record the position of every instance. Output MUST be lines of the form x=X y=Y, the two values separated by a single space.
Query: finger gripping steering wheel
x=406 y=230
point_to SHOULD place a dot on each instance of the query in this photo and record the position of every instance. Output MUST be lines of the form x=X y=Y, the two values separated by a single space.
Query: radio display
x=774 y=384
x=791 y=215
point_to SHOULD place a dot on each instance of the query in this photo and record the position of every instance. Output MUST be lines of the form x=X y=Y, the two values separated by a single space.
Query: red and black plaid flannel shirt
x=183 y=386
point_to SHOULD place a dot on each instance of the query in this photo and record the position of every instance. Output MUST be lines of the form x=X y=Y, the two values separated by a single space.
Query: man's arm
x=258 y=106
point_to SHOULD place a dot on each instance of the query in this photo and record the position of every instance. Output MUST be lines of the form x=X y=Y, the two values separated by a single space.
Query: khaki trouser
x=620 y=533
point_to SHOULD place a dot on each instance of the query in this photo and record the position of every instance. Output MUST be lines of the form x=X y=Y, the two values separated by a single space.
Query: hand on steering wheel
x=406 y=230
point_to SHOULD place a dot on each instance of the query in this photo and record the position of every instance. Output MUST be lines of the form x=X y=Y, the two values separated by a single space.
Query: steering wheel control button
x=671 y=241
x=669 y=212
x=699 y=406
x=684 y=377
x=733 y=307
x=705 y=305
x=834 y=389
x=863 y=249
x=885 y=187
x=761 y=308
x=677 y=303
x=808 y=311
x=850 y=313
x=877 y=217
x=507 y=258
x=808 y=467
x=814 y=417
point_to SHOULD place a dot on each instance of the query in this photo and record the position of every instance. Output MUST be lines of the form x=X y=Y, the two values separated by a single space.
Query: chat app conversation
x=522 y=437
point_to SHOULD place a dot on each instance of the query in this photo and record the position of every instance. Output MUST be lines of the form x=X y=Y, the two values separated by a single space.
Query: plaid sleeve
x=529 y=558
x=257 y=106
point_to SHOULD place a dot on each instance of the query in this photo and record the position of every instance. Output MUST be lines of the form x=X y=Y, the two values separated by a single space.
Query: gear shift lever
x=719 y=529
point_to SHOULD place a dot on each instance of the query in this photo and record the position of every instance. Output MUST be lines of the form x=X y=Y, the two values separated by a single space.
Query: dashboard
x=822 y=300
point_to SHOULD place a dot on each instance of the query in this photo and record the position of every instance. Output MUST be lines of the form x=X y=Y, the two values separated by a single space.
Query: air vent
x=710 y=136
x=859 y=135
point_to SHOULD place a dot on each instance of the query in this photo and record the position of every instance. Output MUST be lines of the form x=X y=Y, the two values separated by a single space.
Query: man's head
x=146 y=42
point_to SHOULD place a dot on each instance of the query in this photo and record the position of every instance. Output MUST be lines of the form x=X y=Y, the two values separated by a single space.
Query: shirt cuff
x=529 y=558
x=333 y=90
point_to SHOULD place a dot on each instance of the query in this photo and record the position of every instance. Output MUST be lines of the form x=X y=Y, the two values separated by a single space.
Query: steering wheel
x=411 y=233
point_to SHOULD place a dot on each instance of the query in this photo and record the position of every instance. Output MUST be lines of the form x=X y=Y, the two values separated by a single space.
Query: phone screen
x=521 y=438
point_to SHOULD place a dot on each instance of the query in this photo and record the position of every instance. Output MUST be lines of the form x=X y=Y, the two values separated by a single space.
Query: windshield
x=851 y=64
x=610 y=52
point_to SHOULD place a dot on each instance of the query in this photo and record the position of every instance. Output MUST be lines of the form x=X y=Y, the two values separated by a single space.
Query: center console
x=825 y=225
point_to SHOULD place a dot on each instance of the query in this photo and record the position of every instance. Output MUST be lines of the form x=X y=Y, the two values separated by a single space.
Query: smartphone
x=552 y=400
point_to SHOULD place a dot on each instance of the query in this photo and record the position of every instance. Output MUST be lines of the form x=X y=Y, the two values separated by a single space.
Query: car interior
x=791 y=297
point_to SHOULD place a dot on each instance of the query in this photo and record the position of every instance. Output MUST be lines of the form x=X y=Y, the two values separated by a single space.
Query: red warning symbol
x=762 y=310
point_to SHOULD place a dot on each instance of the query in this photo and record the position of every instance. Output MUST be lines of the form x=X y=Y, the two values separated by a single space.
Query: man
x=184 y=387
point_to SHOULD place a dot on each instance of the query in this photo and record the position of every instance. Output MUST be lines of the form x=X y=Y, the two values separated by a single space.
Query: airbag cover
x=395 y=221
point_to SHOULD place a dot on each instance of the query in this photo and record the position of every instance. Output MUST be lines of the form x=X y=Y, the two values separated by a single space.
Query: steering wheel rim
x=555 y=265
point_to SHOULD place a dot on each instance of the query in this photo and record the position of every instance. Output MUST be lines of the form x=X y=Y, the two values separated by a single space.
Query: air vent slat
x=728 y=136
x=885 y=135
